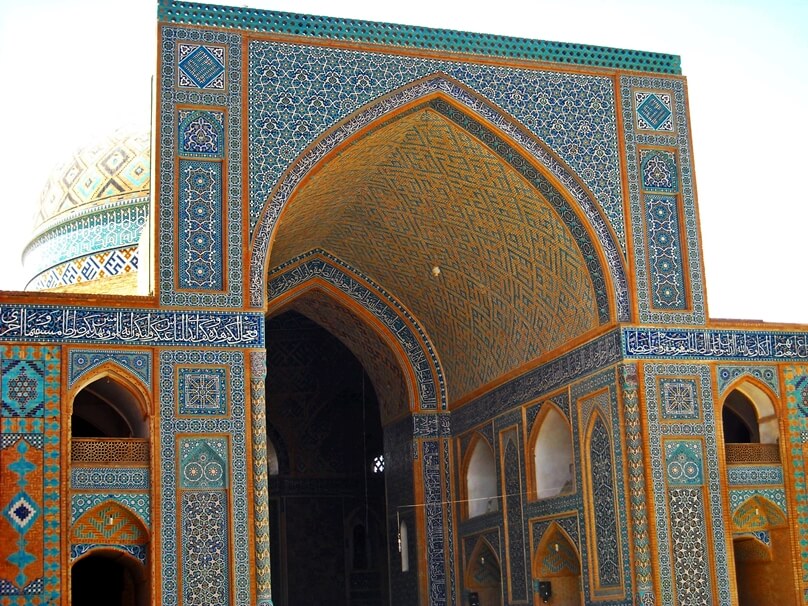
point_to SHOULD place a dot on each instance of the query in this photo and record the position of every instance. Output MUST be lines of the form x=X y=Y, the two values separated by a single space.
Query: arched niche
x=557 y=561
x=764 y=573
x=484 y=574
x=750 y=425
x=110 y=420
x=480 y=478
x=110 y=404
x=747 y=399
x=551 y=454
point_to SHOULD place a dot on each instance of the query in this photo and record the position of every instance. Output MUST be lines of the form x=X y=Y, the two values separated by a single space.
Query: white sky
x=74 y=70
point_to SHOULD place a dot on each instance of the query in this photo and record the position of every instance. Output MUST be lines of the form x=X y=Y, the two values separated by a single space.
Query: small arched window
x=552 y=455
x=107 y=409
x=481 y=480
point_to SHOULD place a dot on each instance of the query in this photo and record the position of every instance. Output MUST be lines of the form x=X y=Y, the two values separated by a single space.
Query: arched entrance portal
x=455 y=259
x=327 y=504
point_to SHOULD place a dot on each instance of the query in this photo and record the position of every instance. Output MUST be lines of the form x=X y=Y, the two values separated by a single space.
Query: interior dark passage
x=327 y=500
x=108 y=579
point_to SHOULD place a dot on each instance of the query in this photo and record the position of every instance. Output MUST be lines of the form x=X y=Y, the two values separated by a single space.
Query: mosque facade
x=381 y=314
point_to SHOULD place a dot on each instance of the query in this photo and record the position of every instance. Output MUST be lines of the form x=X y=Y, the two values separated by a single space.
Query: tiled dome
x=91 y=215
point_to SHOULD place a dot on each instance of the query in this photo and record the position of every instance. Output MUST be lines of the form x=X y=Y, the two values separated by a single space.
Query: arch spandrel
x=520 y=275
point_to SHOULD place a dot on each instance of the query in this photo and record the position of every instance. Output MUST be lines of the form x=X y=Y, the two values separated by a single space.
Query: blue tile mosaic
x=408 y=36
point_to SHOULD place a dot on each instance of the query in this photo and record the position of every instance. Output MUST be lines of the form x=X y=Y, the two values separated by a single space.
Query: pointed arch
x=108 y=523
x=601 y=506
x=550 y=457
x=479 y=478
x=758 y=513
x=398 y=328
x=764 y=401
x=556 y=555
x=501 y=133
x=484 y=573
x=115 y=387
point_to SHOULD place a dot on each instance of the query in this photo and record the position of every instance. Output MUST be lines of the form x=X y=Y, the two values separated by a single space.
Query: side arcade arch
x=329 y=292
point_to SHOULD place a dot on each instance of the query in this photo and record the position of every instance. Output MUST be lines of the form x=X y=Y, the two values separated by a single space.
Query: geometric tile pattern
x=201 y=133
x=773 y=495
x=109 y=522
x=766 y=374
x=658 y=169
x=97 y=174
x=139 y=552
x=597 y=396
x=511 y=290
x=516 y=542
x=796 y=397
x=636 y=468
x=201 y=66
x=751 y=474
x=203 y=463
x=558 y=556
x=603 y=500
x=671 y=244
x=665 y=252
x=202 y=391
x=409 y=36
x=208 y=270
x=85 y=231
x=29 y=469
x=196 y=519
x=687 y=486
x=288 y=80
x=137 y=502
x=756 y=514
x=93 y=267
x=678 y=399
x=85 y=269
x=683 y=462
x=205 y=550
x=109 y=478
x=654 y=111
x=689 y=547
x=81 y=361
x=200 y=261
x=23 y=388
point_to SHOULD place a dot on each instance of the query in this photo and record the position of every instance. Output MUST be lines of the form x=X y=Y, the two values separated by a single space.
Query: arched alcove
x=556 y=561
x=480 y=478
x=110 y=577
x=110 y=420
x=750 y=425
x=763 y=556
x=552 y=454
x=484 y=575
x=107 y=407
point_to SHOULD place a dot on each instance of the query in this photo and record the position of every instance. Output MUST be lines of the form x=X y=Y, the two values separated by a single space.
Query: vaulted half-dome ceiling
x=421 y=192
